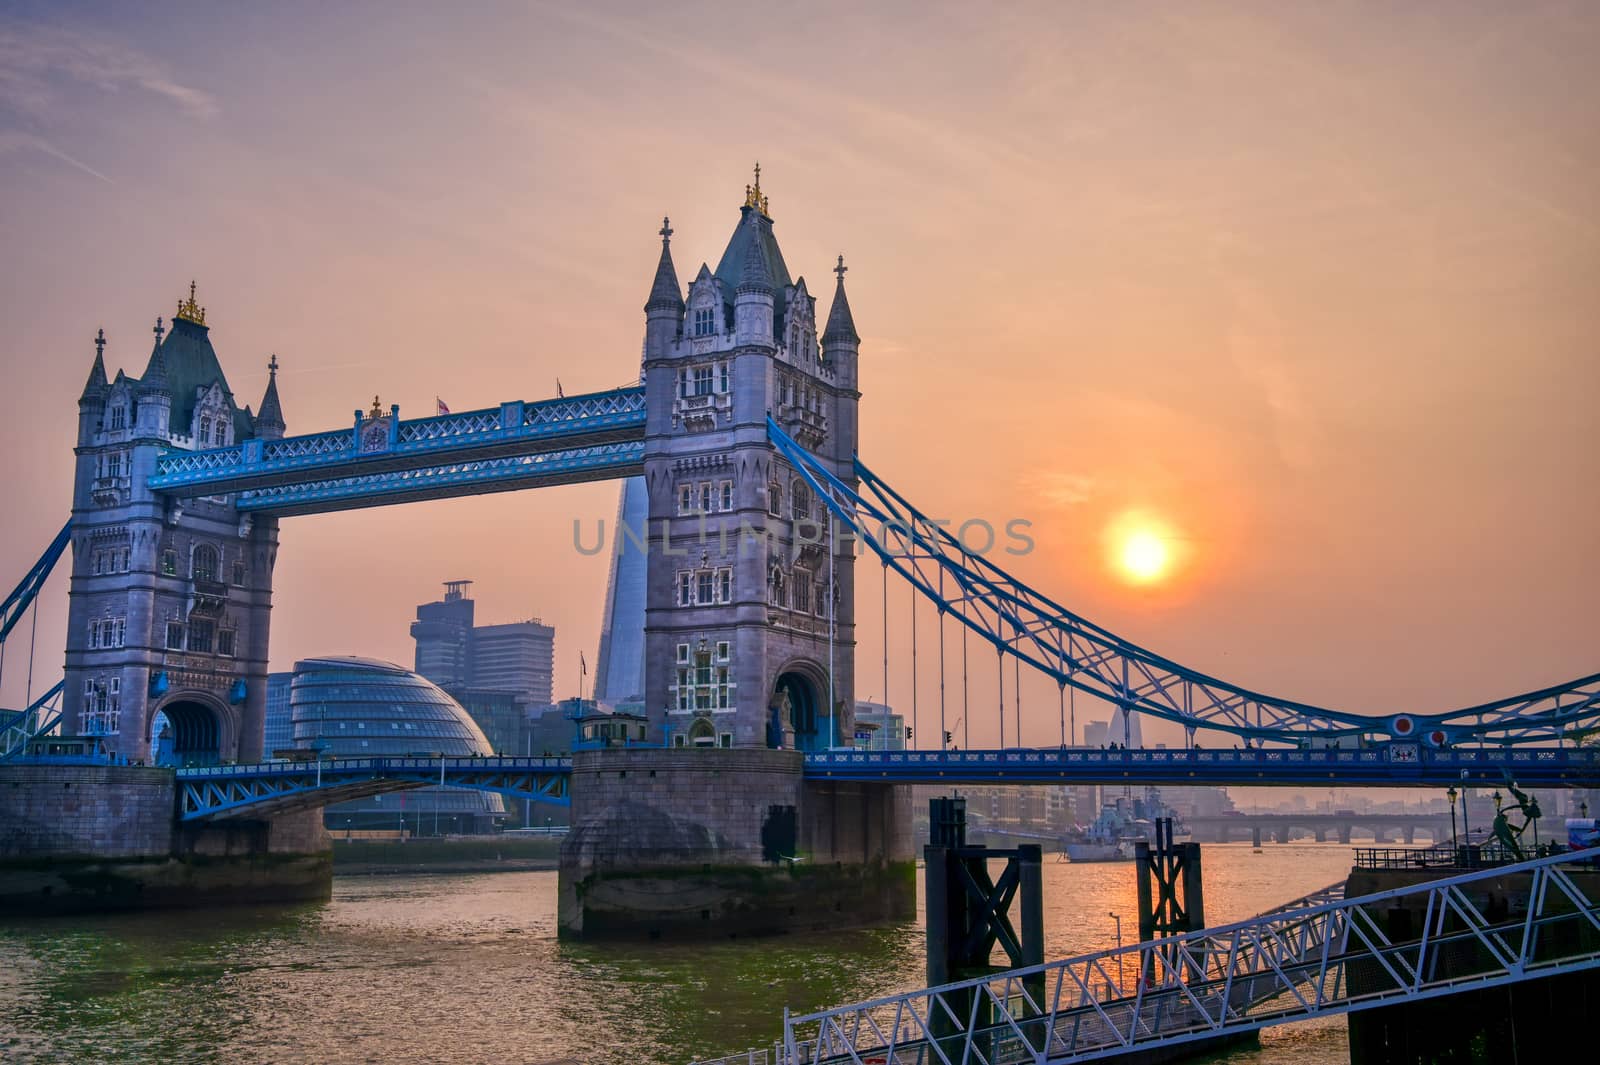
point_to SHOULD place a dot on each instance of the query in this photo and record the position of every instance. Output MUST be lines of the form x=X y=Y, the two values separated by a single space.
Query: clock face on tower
x=375 y=437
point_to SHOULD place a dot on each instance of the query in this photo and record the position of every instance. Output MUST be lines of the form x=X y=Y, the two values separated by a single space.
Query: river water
x=468 y=968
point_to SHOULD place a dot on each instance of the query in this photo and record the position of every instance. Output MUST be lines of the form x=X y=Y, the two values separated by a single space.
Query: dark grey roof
x=664 y=291
x=188 y=362
x=97 y=384
x=271 y=412
x=753 y=273
x=841 y=324
x=730 y=269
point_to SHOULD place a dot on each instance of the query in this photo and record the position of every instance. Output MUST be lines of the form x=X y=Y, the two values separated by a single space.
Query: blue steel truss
x=517 y=430
x=17 y=727
x=1398 y=763
x=27 y=590
x=468 y=477
x=1019 y=621
x=253 y=791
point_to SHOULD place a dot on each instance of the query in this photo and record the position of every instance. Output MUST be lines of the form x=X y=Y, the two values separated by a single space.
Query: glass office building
x=365 y=708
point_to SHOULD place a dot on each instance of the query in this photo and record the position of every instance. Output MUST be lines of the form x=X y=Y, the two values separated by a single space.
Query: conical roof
x=271 y=415
x=97 y=383
x=841 y=323
x=664 y=290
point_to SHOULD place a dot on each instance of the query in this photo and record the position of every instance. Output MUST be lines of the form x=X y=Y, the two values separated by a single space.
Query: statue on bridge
x=1510 y=836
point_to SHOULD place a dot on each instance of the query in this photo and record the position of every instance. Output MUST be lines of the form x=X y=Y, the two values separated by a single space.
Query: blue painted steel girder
x=1386 y=765
x=511 y=430
x=475 y=477
x=270 y=788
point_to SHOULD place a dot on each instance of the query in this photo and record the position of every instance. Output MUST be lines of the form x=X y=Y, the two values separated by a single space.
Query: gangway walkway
x=1324 y=954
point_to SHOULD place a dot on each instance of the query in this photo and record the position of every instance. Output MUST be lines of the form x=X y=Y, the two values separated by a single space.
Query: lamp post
x=1452 y=795
x=1114 y=916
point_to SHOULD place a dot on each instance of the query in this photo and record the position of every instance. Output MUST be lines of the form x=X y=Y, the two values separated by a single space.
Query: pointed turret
x=841 y=327
x=664 y=291
x=154 y=378
x=95 y=389
x=663 y=311
x=269 y=423
x=155 y=395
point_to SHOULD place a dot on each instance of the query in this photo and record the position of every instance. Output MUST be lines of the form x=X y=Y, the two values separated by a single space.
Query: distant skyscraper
x=279 y=724
x=495 y=671
x=443 y=632
x=619 y=667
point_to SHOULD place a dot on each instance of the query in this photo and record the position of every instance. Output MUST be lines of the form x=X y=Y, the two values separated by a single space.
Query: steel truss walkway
x=590 y=437
x=216 y=792
x=1327 y=957
x=1388 y=764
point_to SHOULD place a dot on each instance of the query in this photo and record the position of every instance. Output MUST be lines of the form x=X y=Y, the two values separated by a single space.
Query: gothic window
x=774 y=499
x=238 y=574
x=204 y=566
x=799 y=500
x=722 y=377
x=705 y=497
x=802 y=590
x=725 y=494
x=722 y=650
x=200 y=636
x=99 y=563
x=685 y=590
x=704 y=592
x=702 y=381
x=119 y=417
x=705 y=321
x=686 y=499
x=114 y=464
x=222 y=431
x=169 y=563
x=724 y=587
x=174 y=635
x=225 y=642
x=822 y=600
x=205 y=430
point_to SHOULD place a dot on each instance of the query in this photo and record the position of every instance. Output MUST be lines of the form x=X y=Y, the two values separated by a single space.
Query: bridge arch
x=804 y=684
x=191 y=728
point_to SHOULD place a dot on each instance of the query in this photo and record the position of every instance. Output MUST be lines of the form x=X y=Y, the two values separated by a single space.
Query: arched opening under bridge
x=186 y=732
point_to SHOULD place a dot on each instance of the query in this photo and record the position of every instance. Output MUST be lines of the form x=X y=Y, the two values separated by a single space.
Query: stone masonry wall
x=49 y=811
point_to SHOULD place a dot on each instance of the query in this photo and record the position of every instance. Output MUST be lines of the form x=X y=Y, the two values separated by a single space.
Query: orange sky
x=1317 y=285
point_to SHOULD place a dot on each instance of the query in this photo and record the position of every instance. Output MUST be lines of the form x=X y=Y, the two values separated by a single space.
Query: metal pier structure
x=1322 y=955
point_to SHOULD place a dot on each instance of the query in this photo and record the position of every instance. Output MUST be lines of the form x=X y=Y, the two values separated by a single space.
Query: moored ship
x=1122 y=823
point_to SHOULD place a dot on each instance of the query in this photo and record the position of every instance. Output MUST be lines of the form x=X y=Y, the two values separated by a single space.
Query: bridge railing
x=1328 y=958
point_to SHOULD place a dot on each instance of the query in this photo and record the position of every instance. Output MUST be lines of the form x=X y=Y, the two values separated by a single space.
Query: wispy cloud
x=23 y=142
x=1060 y=488
x=39 y=65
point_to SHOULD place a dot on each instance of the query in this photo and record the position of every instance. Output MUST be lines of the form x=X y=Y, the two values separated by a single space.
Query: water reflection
x=469 y=969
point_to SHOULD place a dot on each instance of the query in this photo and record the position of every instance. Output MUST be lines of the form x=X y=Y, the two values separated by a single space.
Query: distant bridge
x=1227 y=827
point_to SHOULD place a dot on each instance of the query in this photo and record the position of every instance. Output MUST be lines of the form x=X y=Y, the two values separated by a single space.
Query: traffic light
x=947 y=737
x=908 y=733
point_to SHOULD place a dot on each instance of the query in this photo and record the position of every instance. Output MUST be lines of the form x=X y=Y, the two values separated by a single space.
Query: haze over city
x=1278 y=326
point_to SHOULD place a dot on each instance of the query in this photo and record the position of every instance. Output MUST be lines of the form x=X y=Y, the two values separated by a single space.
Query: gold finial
x=189 y=310
x=753 y=196
x=377 y=408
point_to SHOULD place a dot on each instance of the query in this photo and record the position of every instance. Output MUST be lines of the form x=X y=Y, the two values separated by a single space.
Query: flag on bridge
x=443 y=409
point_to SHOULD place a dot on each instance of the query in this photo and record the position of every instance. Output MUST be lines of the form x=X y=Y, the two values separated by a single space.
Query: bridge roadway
x=215 y=792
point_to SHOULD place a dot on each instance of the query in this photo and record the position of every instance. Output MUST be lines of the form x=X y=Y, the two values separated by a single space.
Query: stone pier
x=78 y=838
x=683 y=842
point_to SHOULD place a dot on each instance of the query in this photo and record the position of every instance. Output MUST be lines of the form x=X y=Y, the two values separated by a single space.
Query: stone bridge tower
x=717 y=831
x=741 y=587
x=170 y=599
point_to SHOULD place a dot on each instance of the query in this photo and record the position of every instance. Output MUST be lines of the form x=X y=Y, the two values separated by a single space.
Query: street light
x=1452 y=795
x=1113 y=915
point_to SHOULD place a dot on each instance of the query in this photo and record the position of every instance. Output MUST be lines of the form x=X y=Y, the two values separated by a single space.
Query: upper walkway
x=376 y=462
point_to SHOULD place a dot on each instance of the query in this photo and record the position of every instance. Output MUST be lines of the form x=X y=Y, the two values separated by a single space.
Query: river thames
x=467 y=968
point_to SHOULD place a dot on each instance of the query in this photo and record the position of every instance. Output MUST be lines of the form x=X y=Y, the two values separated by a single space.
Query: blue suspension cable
x=944 y=737
x=916 y=723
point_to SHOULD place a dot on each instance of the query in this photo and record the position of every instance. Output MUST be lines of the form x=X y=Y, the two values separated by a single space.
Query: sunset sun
x=1141 y=548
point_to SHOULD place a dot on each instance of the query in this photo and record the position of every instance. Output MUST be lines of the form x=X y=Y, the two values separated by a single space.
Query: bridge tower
x=744 y=576
x=716 y=832
x=170 y=599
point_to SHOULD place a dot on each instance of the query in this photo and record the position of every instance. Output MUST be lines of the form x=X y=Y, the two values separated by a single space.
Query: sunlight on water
x=468 y=969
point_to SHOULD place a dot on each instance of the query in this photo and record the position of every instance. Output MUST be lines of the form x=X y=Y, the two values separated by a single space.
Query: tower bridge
x=742 y=436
